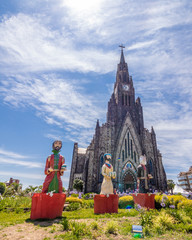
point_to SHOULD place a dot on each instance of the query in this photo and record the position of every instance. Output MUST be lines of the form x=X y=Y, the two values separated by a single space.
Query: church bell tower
x=123 y=97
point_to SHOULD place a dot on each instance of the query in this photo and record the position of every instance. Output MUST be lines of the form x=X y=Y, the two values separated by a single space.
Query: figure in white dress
x=107 y=172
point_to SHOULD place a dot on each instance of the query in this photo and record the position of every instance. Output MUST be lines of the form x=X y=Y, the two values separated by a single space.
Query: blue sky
x=58 y=60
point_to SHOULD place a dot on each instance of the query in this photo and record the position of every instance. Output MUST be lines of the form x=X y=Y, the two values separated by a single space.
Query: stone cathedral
x=124 y=136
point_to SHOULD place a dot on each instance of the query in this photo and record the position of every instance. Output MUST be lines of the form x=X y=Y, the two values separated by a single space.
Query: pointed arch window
x=131 y=149
x=128 y=143
x=129 y=101
x=135 y=160
x=125 y=148
x=150 y=170
x=123 y=156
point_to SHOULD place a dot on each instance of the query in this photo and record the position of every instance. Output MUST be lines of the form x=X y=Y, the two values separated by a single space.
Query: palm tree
x=170 y=185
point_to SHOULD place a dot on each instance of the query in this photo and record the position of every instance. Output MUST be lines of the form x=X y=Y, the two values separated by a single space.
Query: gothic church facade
x=124 y=136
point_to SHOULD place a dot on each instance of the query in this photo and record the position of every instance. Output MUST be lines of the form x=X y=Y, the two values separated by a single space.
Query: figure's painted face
x=108 y=157
x=57 y=145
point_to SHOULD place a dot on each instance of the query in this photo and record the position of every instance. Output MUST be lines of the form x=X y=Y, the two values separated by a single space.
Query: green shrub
x=65 y=224
x=78 y=184
x=73 y=199
x=125 y=201
x=180 y=216
x=168 y=200
x=2 y=187
x=94 y=226
x=163 y=222
x=15 y=202
x=88 y=203
x=111 y=227
x=147 y=231
x=88 y=196
x=146 y=218
x=74 y=195
x=126 y=228
x=185 y=203
x=183 y=228
x=79 y=230
x=73 y=206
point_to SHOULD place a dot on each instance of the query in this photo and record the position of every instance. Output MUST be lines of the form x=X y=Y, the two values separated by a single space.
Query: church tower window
x=122 y=99
x=135 y=157
x=129 y=101
x=125 y=148
x=126 y=100
x=124 y=76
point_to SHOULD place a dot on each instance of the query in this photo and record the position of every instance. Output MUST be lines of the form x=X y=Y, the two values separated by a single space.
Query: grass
x=89 y=213
x=111 y=227
x=84 y=224
x=12 y=218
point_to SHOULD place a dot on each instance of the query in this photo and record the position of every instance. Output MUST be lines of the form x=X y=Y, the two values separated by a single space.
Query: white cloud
x=28 y=164
x=9 y=157
x=11 y=154
x=172 y=124
x=141 y=45
x=27 y=45
x=56 y=100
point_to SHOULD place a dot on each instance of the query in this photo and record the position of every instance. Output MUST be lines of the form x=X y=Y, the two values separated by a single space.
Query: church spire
x=122 y=66
x=122 y=59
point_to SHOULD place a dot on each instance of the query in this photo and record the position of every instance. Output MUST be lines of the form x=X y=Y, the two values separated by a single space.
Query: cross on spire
x=122 y=46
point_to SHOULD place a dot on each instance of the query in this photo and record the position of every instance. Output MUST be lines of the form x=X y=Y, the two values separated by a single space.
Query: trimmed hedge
x=73 y=199
x=75 y=202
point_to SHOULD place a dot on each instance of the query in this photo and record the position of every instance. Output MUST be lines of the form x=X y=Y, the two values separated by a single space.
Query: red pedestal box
x=104 y=204
x=146 y=200
x=47 y=206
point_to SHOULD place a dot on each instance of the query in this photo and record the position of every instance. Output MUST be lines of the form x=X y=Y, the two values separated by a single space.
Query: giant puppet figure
x=107 y=172
x=142 y=175
x=106 y=201
x=54 y=169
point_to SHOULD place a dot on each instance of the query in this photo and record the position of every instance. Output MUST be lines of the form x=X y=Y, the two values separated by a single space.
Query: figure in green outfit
x=54 y=169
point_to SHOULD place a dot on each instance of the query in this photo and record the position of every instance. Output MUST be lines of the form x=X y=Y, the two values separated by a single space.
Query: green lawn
x=12 y=218
x=84 y=224
x=89 y=213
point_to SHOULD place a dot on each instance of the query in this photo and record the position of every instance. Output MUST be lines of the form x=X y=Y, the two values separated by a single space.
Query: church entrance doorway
x=129 y=181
